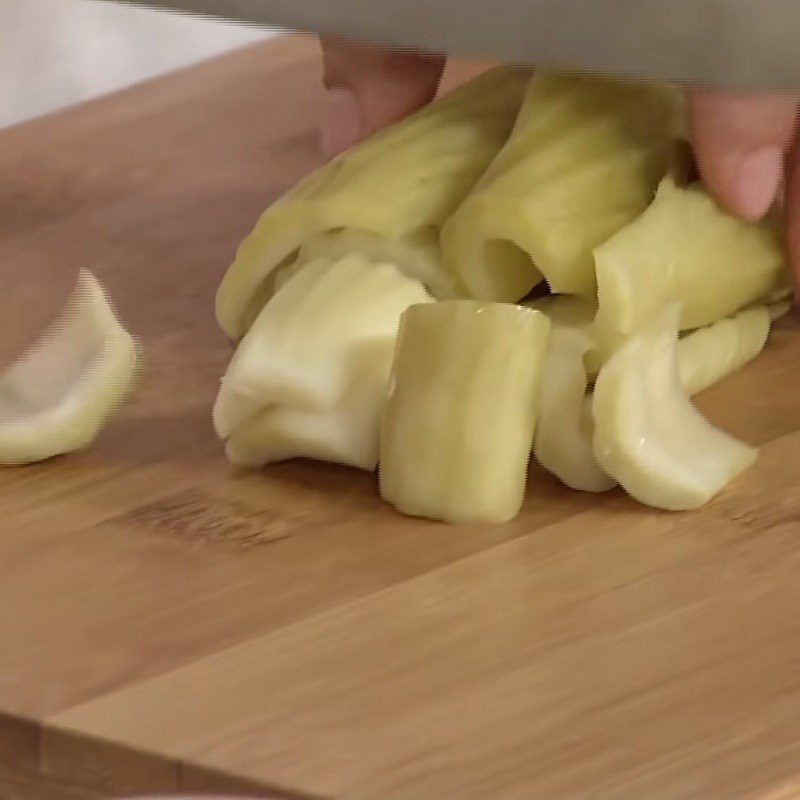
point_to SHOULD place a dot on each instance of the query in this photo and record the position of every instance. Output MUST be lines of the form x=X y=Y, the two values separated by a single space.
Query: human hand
x=371 y=88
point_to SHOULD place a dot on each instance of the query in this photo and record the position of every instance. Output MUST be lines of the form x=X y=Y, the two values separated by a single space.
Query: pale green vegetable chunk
x=57 y=397
x=709 y=354
x=564 y=430
x=684 y=248
x=582 y=162
x=402 y=182
x=459 y=422
x=649 y=436
x=346 y=433
x=563 y=442
x=309 y=377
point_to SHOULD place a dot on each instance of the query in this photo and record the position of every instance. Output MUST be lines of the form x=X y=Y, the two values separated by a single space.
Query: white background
x=54 y=53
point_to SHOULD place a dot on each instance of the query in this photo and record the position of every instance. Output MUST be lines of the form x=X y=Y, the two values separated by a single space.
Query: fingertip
x=740 y=143
x=370 y=88
x=341 y=121
x=757 y=180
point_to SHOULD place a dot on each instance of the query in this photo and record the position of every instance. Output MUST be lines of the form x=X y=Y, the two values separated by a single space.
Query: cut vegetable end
x=59 y=395
x=460 y=418
x=649 y=436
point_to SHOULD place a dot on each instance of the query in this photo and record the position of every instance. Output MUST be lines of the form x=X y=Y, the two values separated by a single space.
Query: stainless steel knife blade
x=746 y=44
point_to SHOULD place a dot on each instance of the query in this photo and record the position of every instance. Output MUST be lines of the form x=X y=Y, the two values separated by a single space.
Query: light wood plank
x=660 y=656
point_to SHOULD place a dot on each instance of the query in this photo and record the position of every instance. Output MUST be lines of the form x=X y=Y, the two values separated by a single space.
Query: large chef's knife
x=731 y=43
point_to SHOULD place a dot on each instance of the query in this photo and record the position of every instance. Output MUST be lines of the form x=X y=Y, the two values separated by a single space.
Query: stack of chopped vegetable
x=525 y=267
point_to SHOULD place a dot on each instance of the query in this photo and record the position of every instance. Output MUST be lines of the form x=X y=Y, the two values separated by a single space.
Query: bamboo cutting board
x=171 y=624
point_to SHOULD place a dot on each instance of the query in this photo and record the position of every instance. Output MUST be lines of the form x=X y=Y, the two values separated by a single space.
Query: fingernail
x=758 y=180
x=341 y=123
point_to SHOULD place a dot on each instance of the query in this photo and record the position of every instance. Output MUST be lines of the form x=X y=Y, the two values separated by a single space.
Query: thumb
x=741 y=141
x=370 y=88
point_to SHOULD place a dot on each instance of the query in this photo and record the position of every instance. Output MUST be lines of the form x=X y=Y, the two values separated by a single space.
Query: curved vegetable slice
x=649 y=436
x=684 y=248
x=583 y=161
x=564 y=430
x=709 y=354
x=460 y=417
x=59 y=395
x=399 y=183
x=565 y=426
x=319 y=354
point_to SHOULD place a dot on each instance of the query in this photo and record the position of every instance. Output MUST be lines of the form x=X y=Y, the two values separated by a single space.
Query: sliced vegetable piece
x=460 y=418
x=346 y=433
x=399 y=183
x=684 y=248
x=709 y=354
x=320 y=350
x=564 y=430
x=58 y=396
x=649 y=436
x=563 y=442
x=583 y=161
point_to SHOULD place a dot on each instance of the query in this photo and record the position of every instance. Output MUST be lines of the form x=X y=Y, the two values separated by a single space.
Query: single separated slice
x=311 y=374
x=58 y=396
x=583 y=161
x=459 y=422
x=684 y=248
x=403 y=182
x=649 y=436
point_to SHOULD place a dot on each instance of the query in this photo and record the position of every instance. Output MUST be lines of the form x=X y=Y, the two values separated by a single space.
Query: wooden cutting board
x=169 y=623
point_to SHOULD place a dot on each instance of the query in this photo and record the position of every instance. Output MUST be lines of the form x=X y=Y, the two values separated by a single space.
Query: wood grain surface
x=170 y=623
